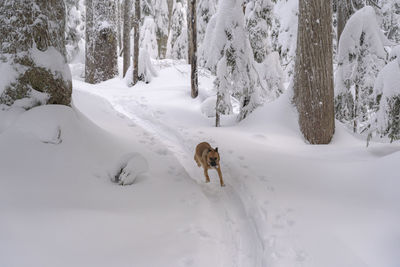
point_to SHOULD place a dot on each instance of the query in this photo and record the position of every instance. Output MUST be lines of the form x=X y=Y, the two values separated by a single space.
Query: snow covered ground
x=286 y=203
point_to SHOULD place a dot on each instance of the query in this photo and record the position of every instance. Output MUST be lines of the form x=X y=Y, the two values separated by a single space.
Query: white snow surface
x=285 y=203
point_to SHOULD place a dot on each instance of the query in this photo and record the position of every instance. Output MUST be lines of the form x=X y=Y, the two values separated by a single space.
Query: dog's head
x=213 y=157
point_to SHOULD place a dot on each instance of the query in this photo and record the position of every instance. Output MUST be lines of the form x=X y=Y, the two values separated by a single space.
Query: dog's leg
x=197 y=161
x=220 y=176
x=206 y=175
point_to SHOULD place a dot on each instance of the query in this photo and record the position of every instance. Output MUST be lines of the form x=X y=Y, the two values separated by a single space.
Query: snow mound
x=128 y=168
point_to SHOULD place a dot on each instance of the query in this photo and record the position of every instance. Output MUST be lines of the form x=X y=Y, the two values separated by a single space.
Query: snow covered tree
x=390 y=10
x=162 y=22
x=177 y=45
x=284 y=33
x=75 y=30
x=386 y=122
x=313 y=80
x=205 y=11
x=101 y=41
x=231 y=53
x=148 y=37
x=32 y=54
x=136 y=26
x=344 y=11
x=259 y=18
x=126 y=40
x=361 y=56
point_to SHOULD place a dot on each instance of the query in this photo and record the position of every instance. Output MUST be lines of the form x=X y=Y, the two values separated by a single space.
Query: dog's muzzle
x=213 y=163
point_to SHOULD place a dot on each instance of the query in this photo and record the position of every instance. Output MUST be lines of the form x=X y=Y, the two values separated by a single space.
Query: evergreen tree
x=33 y=54
x=126 y=40
x=259 y=18
x=361 y=56
x=386 y=121
x=162 y=22
x=148 y=37
x=75 y=29
x=177 y=45
x=236 y=73
x=313 y=81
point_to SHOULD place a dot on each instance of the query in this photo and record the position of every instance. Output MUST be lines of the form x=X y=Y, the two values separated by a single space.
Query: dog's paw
x=222 y=185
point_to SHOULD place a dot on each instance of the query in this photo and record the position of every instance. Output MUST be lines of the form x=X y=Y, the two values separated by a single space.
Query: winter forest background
x=93 y=91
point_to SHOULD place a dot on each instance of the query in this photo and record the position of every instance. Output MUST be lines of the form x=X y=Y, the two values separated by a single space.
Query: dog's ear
x=216 y=149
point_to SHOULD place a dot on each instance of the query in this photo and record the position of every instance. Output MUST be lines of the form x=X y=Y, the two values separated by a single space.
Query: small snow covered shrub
x=146 y=69
x=361 y=56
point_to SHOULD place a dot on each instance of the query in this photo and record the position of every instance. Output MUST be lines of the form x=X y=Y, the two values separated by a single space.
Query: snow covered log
x=33 y=63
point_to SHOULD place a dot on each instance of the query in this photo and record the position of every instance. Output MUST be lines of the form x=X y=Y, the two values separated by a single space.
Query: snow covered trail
x=286 y=203
x=240 y=244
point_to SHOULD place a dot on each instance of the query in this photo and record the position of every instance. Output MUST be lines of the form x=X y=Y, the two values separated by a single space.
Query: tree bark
x=193 y=50
x=102 y=41
x=126 y=37
x=136 y=27
x=190 y=30
x=313 y=81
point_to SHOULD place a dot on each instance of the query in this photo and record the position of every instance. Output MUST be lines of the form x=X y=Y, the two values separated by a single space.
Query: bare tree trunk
x=313 y=81
x=89 y=53
x=193 y=49
x=118 y=20
x=190 y=30
x=136 y=27
x=126 y=38
x=345 y=10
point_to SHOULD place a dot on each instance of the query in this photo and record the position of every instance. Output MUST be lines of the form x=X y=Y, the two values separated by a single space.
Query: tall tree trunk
x=136 y=27
x=118 y=20
x=313 y=81
x=89 y=52
x=189 y=19
x=126 y=37
x=345 y=10
x=102 y=42
x=193 y=49
x=30 y=31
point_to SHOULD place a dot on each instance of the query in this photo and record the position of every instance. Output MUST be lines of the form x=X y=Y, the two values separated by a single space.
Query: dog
x=208 y=158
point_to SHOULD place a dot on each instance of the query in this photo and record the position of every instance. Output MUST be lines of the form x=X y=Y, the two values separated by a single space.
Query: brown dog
x=208 y=158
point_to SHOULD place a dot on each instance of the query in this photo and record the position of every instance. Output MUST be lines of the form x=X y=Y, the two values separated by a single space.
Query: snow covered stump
x=128 y=168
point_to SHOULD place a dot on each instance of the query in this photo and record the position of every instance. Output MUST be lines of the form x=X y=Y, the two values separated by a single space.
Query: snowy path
x=240 y=244
x=286 y=203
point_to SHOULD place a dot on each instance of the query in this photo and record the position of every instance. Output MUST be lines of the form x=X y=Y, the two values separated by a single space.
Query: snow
x=8 y=75
x=285 y=203
x=53 y=60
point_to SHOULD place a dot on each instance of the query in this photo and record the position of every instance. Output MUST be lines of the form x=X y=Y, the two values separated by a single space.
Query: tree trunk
x=126 y=38
x=193 y=49
x=345 y=10
x=136 y=27
x=189 y=19
x=102 y=41
x=313 y=81
x=31 y=30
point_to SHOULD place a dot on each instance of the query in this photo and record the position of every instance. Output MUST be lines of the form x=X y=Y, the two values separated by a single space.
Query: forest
x=104 y=105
